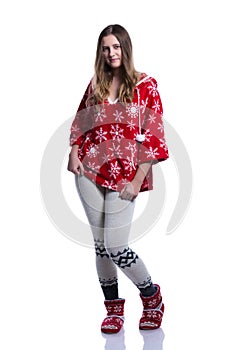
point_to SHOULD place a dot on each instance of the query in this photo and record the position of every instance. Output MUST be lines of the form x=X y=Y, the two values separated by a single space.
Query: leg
x=118 y=218
x=92 y=198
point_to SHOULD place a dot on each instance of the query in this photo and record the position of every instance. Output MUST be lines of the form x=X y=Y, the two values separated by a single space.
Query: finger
x=71 y=170
x=127 y=196
x=74 y=170
x=81 y=170
x=123 y=190
x=121 y=193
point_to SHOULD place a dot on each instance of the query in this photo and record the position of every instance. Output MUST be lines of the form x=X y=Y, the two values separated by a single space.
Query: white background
x=50 y=298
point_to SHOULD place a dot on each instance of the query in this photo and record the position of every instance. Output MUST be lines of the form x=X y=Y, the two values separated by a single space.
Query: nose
x=111 y=52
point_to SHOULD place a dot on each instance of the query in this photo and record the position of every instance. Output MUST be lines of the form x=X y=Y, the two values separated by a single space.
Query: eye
x=105 y=49
x=116 y=46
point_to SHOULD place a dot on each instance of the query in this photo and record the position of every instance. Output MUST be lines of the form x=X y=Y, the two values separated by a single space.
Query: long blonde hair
x=103 y=73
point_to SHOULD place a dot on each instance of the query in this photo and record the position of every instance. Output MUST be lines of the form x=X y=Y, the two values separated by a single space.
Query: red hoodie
x=114 y=137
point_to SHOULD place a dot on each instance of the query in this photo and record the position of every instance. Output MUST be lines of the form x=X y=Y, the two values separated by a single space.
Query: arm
x=77 y=136
x=154 y=147
x=141 y=173
x=74 y=164
x=131 y=190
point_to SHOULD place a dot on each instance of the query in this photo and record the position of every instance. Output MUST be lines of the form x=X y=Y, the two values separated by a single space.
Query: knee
x=122 y=256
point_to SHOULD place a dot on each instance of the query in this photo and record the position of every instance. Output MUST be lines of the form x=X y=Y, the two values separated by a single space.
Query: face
x=112 y=51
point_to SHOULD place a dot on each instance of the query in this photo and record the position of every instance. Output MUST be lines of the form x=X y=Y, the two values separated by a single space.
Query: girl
x=116 y=137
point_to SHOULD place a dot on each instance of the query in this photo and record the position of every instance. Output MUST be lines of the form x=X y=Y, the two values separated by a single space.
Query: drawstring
x=139 y=137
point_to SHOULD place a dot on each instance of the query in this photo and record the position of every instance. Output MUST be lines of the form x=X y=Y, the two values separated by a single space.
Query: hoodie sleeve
x=77 y=128
x=153 y=148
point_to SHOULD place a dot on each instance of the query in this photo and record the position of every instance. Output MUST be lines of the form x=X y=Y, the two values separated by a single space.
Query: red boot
x=115 y=316
x=153 y=311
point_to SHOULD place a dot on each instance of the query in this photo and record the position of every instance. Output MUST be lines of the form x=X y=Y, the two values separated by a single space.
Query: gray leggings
x=110 y=220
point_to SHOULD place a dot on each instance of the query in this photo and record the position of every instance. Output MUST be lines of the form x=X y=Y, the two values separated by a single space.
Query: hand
x=130 y=190
x=75 y=165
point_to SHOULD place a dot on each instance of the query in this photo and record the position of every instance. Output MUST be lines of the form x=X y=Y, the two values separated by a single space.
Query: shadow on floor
x=153 y=340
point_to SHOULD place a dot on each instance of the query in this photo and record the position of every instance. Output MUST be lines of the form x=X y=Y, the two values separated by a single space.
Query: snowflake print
x=92 y=151
x=117 y=309
x=110 y=184
x=131 y=147
x=114 y=171
x=101 y=135
x=118 y=116
x=147 y=135
x=88 y=136
x=106 y=158
x=152 y=153
x=87 y=139
x=132 y=109
x=160 y=127
x=116 y=151
x=153 y=89
x=131 y=125
x=93 y=167
x=100 y=115
x=135 y=135
x=129 y=164
x=144 y=104
x=152 y=314
x=75 y=128
x=151 y=118
x=157 y=106
x=75 y=131
x=163 y=144
x=116 y=132
x=115 y=138
x=152 y=303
